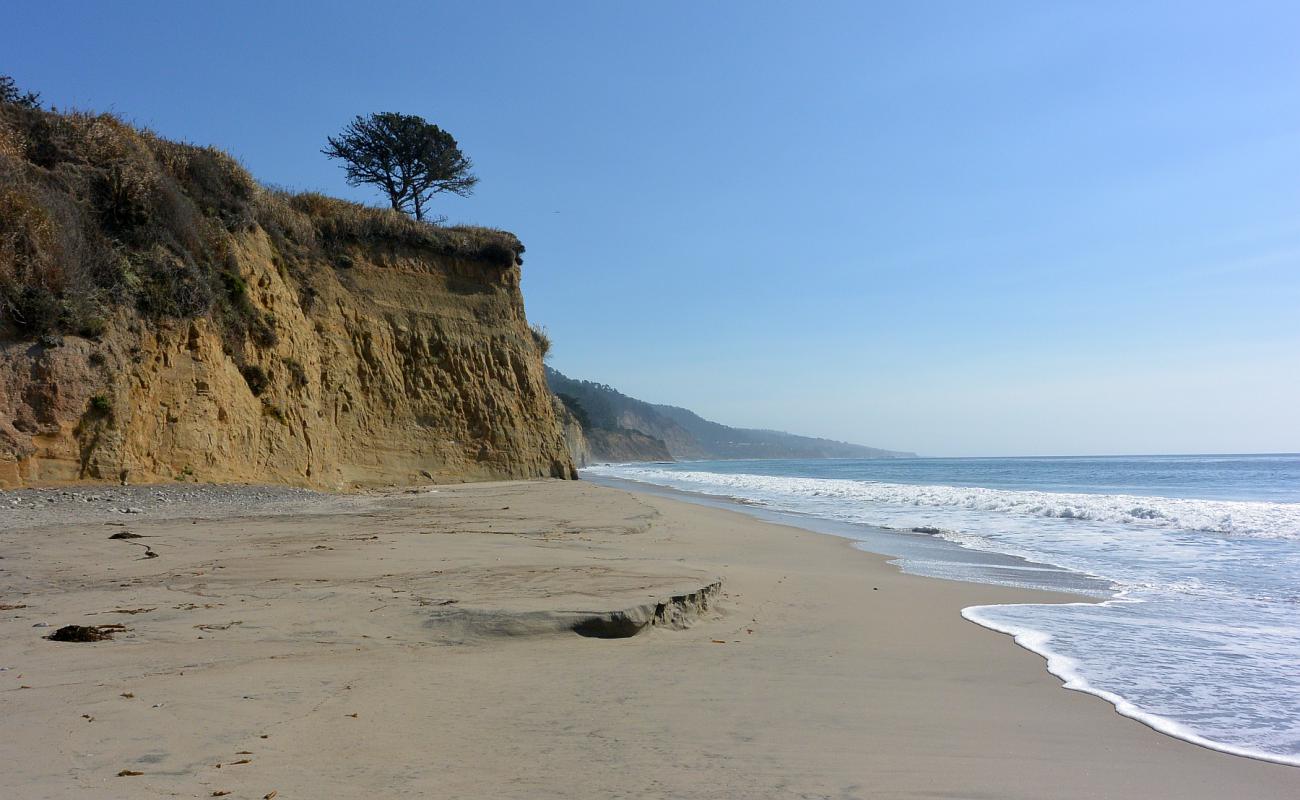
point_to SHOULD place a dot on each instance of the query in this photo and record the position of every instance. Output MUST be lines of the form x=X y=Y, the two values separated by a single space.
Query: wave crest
x=1229 y=517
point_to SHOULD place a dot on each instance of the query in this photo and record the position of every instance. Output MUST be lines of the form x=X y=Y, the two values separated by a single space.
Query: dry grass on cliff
x=541 y=339
x=336 y=222
x=97 y=214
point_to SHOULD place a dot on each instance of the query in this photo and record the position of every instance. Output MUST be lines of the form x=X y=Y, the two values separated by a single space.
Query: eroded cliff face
x=575 y=438
x=386 y=364
x=625 y=445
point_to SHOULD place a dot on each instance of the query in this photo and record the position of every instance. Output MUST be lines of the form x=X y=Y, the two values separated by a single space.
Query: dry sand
x=421 y=645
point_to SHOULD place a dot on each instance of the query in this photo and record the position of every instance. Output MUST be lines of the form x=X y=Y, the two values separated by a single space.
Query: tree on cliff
x=406 y=156
x=10 y=93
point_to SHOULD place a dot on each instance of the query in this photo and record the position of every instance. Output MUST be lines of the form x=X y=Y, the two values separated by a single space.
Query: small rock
x=80 y=633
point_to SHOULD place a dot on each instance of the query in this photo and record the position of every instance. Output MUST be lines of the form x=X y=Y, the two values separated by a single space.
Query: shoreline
x=1065 y=669
x=895 y=544
x=810 y=673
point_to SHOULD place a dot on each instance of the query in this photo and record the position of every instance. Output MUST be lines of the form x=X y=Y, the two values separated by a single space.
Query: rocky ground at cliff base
x=27 y=508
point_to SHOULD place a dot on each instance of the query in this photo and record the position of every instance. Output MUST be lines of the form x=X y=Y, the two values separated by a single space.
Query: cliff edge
x=163 y=316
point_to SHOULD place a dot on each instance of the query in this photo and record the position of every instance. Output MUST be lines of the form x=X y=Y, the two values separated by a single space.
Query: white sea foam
x=1233 y=517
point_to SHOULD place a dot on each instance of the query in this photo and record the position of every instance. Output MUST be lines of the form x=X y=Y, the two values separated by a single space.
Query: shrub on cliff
x=30 y=275
x=541 y=339
x=256 y=378
x=94 y=214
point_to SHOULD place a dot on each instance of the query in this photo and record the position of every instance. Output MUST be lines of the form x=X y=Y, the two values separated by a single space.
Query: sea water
x=1192 y=562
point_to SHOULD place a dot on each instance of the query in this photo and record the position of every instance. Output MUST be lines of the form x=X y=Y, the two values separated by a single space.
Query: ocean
x=1189 y=566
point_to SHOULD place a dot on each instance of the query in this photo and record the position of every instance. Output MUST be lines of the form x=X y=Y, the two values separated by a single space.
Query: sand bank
x=431 y=644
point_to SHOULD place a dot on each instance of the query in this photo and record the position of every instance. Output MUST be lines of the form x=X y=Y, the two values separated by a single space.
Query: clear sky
x=957 y=228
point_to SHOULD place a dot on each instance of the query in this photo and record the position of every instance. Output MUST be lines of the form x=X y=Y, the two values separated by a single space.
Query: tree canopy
x=406 y=156
x=10 y=93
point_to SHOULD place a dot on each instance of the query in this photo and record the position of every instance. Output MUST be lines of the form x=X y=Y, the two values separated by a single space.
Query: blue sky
x=956 y=228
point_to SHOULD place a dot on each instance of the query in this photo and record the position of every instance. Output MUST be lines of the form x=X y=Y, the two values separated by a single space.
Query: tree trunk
x=394 y=194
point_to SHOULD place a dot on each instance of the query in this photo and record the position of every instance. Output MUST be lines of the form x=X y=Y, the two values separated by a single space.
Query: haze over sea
x=1194 y=560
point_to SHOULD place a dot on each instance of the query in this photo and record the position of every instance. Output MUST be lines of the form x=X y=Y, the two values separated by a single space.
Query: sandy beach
x=472 y=642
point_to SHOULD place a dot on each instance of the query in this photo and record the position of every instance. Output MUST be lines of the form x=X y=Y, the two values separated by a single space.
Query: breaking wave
x=889 y=504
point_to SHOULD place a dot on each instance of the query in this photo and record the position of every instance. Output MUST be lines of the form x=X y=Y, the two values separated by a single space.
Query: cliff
x=163 y=316
x=683 y=434
x=575 y=438
x=609 y=441
x=623 y=445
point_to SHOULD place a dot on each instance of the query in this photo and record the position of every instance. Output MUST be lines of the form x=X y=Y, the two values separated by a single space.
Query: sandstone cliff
x=575 y=438
x=592 y=444
x=164 y=317
x=624 y=445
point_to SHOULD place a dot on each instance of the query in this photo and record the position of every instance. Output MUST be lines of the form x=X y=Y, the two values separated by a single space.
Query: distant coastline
x=620 y=428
